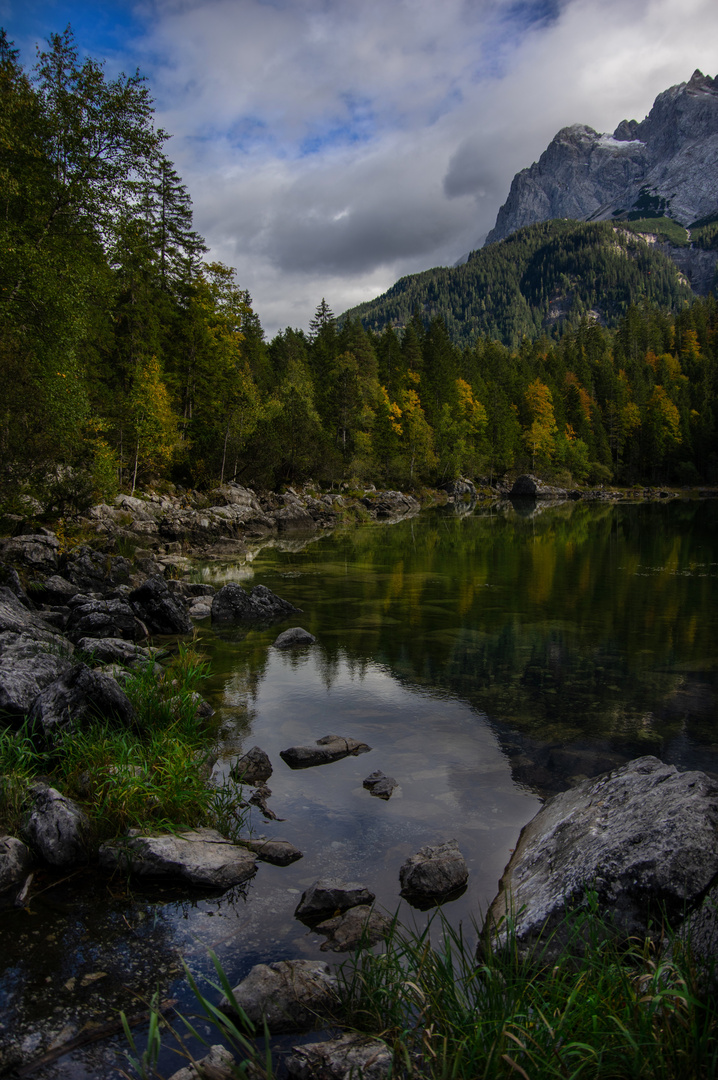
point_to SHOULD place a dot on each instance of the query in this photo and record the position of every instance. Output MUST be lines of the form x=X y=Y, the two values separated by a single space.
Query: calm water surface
x=489 y=660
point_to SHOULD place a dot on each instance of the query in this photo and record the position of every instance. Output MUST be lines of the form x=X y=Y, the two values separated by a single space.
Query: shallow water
x=488 y=659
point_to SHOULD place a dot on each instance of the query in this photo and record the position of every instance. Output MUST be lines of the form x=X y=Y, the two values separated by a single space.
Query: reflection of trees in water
x=573 y=626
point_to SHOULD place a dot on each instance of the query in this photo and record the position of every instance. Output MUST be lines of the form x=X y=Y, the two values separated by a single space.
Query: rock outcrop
x=643 y=838
x=667 y=164
x=347 y=1057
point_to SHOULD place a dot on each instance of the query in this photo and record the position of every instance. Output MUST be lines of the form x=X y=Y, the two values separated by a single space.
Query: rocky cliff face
x=667 y=164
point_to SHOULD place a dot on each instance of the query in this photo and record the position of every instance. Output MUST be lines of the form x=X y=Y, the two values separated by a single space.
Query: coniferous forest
x=128 y=359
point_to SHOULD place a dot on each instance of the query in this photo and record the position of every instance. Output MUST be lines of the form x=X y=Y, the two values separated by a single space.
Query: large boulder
x=28 y=665
x=643 y=838
x=93 y=571
x=325 y=750
x=16 y=617
x=234 y=604
x=436 y=873
x=530 y=487
x=115 y=651
x=15 y=862
x=90 y=617
x=348 y=1057
x=155 y=605
x=290 y=995
x=56 y=827
x=81 y=694
x=200 y=857
x=36 y=552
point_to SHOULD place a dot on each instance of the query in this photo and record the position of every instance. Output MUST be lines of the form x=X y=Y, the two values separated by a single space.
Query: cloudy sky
x=332 y=146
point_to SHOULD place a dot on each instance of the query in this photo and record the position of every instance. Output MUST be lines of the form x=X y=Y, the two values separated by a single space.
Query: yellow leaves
x=539 y=436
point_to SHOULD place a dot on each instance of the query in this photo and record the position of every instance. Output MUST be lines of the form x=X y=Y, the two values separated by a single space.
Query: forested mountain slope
x=539 y=279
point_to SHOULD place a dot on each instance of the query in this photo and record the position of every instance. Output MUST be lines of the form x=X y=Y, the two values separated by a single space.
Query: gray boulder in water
x=434 y=874
x=234 y=604
x=291 y=995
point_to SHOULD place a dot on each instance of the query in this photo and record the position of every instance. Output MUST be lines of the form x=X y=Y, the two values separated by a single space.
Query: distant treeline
x=126 y=359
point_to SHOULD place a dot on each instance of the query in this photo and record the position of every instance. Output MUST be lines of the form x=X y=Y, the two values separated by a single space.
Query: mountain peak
x=665 y=165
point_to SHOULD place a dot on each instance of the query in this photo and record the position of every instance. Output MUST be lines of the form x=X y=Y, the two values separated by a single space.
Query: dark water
x=489 y=660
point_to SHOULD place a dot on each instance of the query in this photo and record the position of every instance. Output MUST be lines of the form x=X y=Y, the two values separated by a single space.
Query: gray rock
x=699 y=933
x=56 y=827
x=434 y=874
x=276 y=852
x=15 y=862
x=233 y=604
x=252 y=767
x=154 y=604
x=27 y=666
x=80 y=695
x=528 y=486
x=202 y=709
x=201 y=857
x=93 y=571
x=643 y=837
x=115 y=651
x=200 y=609
x=325 y=750
x=15 y=616
x=215 y=1065
x=38 y=551
x=391 y=504
x=291 y=995
x=348 y=1057
x=359 y=926
x=57 y=590
x=380 y=785
x=328 y=896
x=456 y=489
x=671 y=156
x=90 y=617
x=294 y=637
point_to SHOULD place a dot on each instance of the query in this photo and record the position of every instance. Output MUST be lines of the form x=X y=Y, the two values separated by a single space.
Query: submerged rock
x=201 y=857
x=345 y=1058
x=329 y=748
x=274 y=851
x=434 y=874
x=291 y=995
x=329 y=896
x=642 y=838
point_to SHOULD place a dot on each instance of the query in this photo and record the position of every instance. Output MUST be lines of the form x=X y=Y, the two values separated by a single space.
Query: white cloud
x=331 y=146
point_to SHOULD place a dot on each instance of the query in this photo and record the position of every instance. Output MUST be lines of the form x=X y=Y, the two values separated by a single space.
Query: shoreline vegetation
x=427 y=1007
